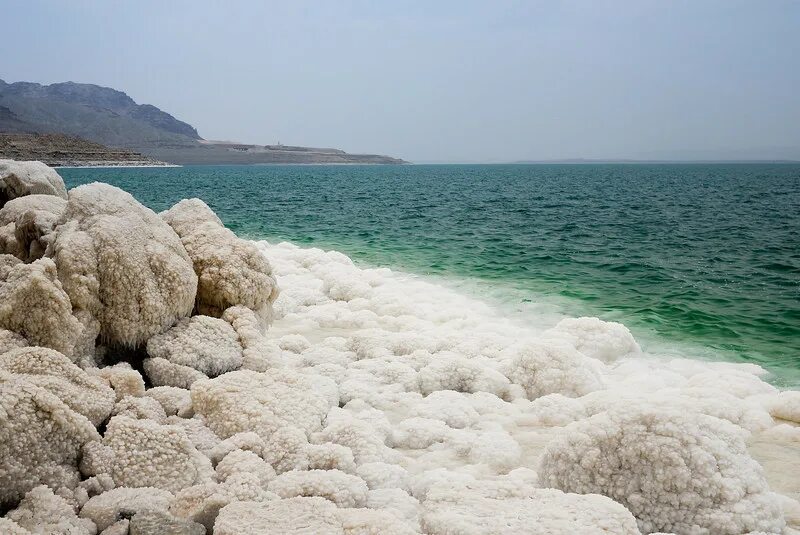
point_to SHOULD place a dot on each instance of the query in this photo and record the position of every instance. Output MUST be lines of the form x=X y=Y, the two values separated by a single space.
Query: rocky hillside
x=58 y=150
x=112 y=118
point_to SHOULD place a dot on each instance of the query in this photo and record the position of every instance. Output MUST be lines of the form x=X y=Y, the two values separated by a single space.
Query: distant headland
x=121 y=132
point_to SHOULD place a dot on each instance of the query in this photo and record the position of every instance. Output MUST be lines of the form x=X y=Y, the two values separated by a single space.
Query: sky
x=440 y=81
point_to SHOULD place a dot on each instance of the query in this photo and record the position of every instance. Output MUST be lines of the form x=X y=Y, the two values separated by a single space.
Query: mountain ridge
x=112 y=118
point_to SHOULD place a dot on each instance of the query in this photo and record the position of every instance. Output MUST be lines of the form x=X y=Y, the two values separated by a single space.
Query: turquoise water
x=704 y=256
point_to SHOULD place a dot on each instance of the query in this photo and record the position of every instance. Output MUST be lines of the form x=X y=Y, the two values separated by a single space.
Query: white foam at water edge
x=459 y=391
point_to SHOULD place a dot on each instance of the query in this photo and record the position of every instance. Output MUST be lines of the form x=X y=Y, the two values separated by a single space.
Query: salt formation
x=27 y=223
x=144 y=391
x=18 y=179
x=230 y=271
x=655 y=460
x=125 y=271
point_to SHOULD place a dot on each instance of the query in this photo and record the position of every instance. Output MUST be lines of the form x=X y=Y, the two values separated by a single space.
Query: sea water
x=697 y=260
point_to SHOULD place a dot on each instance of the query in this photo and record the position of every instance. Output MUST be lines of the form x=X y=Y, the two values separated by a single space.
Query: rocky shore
x=58 y=150
x=155 y=380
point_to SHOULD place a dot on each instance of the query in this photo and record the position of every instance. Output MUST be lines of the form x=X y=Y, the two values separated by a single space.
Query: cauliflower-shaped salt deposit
x=230 y=271
x=243 y=461
x=209 y=345
x=34 y=305
x=202 y=503
x=107 y=508
x=552 y=369
x=144 y=453
x=603 y=340
x=40 y=438
x=49 y=369
x=174 y=401
x=122 y=378
x=42 y=512
x=262 y=402
x=452 y=372
x=343 y=489
x=140 y=408
x=10 y=340
x=27 y=223
x=676 y=471
x=258 y=353
x=18 y=179
x=124 y=269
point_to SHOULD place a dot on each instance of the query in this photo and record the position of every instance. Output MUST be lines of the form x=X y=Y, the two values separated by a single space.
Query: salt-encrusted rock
x=247 y=441
x=208 y=345
x=676 y=471
x=230 y=271
x=42 y=512
x=140 y=408
x=122 y=378
x=202 y=503
x=260 y=402
x=258 y=353
x=163 y=523
x=295 y=516
x=86 y=489
x=453 y=408
x=366 y=443
x=54 y=372
x=384 y=476
x=121 y=527
x=198 y=432
x=40 y=438
x=18 y=179
x=9 y=527
x=110 y=507
x=420 y=433
x=244 y=462
x=10 y=340
x=499 y=507
x=162 y=372
x=34 y=305
x=124 y=269
x=27 y=223
x=329 y=456
x=174 y=401
x=453 y=372
x=552 y=369
x=286 y=449
x=603 y=340
x=144 y=453
x=344 y=490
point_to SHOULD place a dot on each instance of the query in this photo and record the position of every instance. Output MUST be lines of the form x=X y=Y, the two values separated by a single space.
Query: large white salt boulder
x=262 y=402
x=144 y=453
x=125 y=270
x=18 y=179
x=230 y=271
x=676 y=471
x=34 y=305
x=40 y=438
x=86 y=394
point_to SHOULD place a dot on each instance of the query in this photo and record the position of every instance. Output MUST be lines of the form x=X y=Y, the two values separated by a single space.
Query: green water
x=704 y=256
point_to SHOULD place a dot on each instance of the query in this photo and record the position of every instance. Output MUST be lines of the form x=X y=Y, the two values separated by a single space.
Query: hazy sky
x=436 y=80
